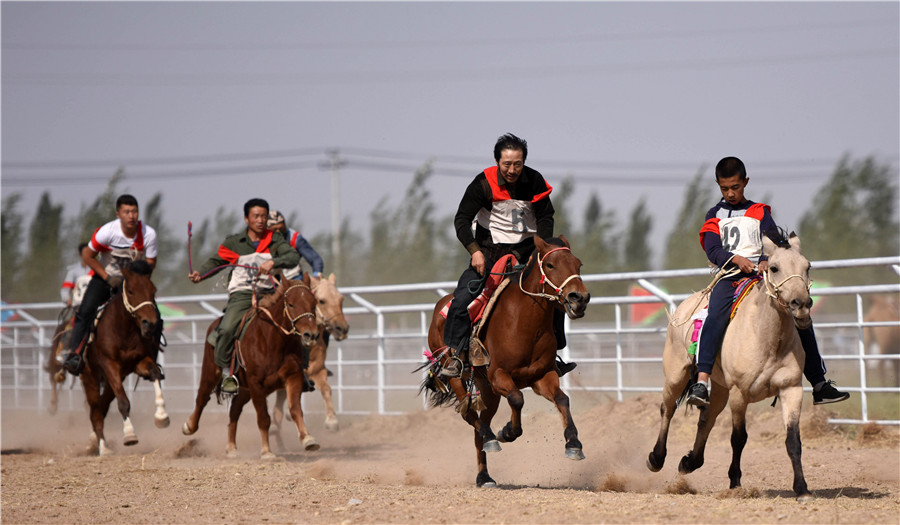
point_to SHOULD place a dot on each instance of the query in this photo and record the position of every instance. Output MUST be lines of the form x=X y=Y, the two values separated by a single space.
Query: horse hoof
x=52 y=410
x=186 y=429
x=60 y=377
x=268 y=456
x=130 y=440
x=164 y=423
x=491 y=446
x=332 y=425
x=231 y=454
x=574 y=453
x=652 y=467
x=310 y=444
x=804 y=498
x=489 y=485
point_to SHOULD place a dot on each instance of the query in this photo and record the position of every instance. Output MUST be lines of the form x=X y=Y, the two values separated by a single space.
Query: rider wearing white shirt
x=118 y=243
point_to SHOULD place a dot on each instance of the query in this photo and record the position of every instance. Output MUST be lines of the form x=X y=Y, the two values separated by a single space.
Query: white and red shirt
x=113 y=246
x=75 y=283
x=509 y=220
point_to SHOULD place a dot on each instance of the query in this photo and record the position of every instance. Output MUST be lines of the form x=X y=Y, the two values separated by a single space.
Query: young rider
x=509 y=203
x=732 y=237
x=250 y=256
x=276 y=224
x=118 y=243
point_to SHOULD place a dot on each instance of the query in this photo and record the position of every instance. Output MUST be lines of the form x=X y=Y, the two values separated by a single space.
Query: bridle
x=320 y=316
x=546 y=280
x=287 y=314
x=132 y=309
x=774 y=290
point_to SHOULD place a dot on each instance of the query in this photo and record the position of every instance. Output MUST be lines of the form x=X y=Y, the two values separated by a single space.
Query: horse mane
x=140 y=267
x=270 y=299
x=779 y=236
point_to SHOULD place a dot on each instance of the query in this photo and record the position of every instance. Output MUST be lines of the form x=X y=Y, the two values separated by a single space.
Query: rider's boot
x=454 y=366
x=563 y=368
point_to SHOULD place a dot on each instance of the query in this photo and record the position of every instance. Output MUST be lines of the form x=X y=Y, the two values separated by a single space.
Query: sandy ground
x=420 y=468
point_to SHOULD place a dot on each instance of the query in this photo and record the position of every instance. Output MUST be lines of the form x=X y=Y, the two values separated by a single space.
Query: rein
x=545 y=279
x=287 y=314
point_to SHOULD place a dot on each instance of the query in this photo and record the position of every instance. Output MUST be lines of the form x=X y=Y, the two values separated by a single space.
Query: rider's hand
x=478 y=262
x=194 y=277
x=744 y=264
x=763 y=266
x=266 y=267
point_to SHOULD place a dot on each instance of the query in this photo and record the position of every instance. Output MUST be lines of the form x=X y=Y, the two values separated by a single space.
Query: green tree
x=11 y=262
x=43 y=272
x=562 y=223
x=637 y=250
x=598 y=241
x=682 y=247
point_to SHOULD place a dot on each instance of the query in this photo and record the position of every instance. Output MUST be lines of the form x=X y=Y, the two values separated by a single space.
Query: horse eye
x=549 y=266
x=773 y=269
x=321 y=301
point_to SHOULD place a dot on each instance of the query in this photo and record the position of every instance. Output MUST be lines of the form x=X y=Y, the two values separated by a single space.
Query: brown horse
x=124 y=343
x=330 y=317
x=520 y=341
x=272 y=359
x=884 y=309
x=59 y=343
x=761 y=357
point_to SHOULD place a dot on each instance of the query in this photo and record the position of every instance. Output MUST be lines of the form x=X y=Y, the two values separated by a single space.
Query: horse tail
x=435 y=390
x=687 y=387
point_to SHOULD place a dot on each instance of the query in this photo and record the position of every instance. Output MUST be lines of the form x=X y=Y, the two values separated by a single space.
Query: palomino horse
x=884 y=309
x=761 y=357
x=270 y=360
x=330 y=317
x=124 y=343
x=520 y=341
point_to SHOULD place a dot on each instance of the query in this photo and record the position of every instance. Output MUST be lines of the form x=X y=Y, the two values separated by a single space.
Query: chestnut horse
x=124 y=343
x=330 y=317
x=272 y=358
x=761 y=357
x=520 y=341
x=59 y=344
x=884 y=309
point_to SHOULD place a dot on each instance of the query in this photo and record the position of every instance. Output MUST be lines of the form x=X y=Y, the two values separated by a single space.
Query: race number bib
x=510 y=221
x=81 y=285
x=740 y=236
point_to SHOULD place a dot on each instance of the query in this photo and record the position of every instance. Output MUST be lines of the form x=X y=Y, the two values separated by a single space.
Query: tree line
x=854 y=214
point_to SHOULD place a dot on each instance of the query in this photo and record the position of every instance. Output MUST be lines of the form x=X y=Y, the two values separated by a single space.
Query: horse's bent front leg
x=149 y=369
x=294 y=388
x=674 y=385
x=791 y=401
x=705 y=423
x=114 y=383
x=320 y=378
x=504 y=385
x=209 y=378
x=548 y=388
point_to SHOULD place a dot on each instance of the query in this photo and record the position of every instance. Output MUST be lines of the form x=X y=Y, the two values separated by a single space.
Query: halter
x=544 y=279
x=773 y=290
x=132 y=309
x=320 y=317
x=287 y=314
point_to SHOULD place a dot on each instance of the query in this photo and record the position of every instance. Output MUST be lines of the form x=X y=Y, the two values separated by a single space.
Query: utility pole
x=334 y=164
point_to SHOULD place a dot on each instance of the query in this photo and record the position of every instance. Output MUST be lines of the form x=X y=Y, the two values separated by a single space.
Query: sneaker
x=698 y=395
x=563 y=368
x=73 y=364
x=828 y=394
x=229 y=384
x=453 y=368
x=308 y=385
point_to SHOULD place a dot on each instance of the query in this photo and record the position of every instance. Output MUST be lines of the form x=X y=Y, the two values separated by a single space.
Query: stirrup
x=455 y=371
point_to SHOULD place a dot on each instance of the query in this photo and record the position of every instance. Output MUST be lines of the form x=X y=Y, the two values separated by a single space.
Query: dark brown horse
x=272 y=355
x=124 y=343
x=59 y=343
x=520 y=341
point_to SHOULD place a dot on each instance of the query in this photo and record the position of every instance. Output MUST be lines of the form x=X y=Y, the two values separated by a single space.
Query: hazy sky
x=216 y=102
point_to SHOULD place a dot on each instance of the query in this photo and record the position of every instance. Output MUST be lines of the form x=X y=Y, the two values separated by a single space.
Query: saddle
x=742 y=287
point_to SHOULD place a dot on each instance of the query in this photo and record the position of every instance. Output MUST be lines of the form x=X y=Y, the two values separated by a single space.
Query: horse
x=124 y=343
x=272 y=359
x=761 y=357
x=58 y=344
x=884 y=309
x=521 y=344
x=330 y=317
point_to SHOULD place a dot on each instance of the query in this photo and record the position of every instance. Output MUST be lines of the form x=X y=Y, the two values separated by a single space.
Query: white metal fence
x=373 y=368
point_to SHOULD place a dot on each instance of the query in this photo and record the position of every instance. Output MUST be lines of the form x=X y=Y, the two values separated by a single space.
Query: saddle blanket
x=494 y=278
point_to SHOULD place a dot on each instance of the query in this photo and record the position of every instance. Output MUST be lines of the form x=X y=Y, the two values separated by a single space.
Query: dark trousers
x=713 y=332
x=97 y=293
x=458 y=327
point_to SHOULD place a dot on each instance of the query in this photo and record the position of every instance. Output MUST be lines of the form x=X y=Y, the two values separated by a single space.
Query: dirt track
x=420 y=468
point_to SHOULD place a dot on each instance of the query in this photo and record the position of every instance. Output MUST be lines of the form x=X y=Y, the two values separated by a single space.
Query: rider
x=118 y=243
x=276 y=224
x=509 y=203
x=252 y=254
x=75 y=282
x=733 y=231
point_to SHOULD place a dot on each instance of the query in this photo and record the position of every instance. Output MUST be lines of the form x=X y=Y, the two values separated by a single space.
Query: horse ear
x=332 y=278
x=768 y=246
x=564 y=240
x=795 y=241
x=306 y=278
x=539 y=243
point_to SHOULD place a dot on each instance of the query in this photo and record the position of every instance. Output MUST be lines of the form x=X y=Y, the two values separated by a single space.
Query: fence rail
x=372 y=367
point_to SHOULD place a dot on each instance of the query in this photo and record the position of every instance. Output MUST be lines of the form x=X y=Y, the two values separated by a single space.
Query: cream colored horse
x=330 y=316
x=761 y=357
x=883 y=309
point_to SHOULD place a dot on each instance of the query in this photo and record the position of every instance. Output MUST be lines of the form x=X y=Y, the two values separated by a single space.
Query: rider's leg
x=97 y=293
x=814 y=370
x=711 y=335
x=458 y=327
x=559 y=330
x=237 y=305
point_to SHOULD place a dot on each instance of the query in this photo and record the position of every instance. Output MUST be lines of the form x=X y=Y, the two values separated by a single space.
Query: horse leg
x=504 y=385
x=278 y=417
x=548 y=388
x=148 y=369
x=263 y=421
x=234 y=414
x=672 y=389
x=707 y=420
x=791 y=401
x=485 y=441
x=294 y=388
x=738 y=439
x=209 y=379
x=114 y=383
x=320 y=378
x=98 y=402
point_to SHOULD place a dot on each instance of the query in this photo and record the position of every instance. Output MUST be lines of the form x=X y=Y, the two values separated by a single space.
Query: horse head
x=330 y=306
x=561 y=270
x=299 y=305
x=787 y=279
x=139 y=296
